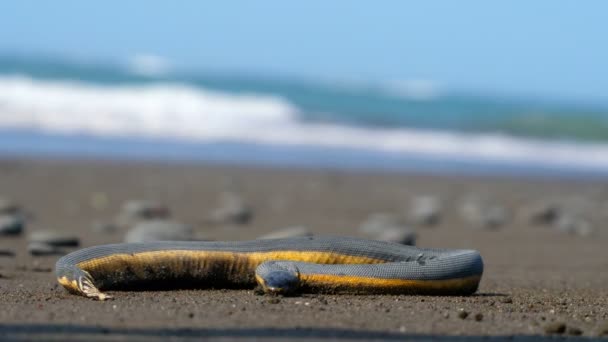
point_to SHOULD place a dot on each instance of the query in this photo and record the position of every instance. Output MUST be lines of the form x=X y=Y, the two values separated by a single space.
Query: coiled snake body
x=309 y=264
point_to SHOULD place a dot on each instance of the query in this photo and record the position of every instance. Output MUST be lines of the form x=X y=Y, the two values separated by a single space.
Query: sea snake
x=281 y=266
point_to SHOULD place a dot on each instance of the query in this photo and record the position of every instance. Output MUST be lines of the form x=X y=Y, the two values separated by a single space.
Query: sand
x=536 y=277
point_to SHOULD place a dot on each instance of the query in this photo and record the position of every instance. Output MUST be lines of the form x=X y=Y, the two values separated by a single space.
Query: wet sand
x=534 y=277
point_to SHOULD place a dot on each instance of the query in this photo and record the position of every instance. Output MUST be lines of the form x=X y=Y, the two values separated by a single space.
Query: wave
x=179 y=111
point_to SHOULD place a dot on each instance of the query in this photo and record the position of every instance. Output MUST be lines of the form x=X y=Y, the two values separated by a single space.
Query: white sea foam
x=170 y=110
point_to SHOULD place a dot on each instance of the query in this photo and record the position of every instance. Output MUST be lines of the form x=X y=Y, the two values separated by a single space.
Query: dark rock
x=11 y=224
x=544 y=213
x=574 y=331
x=603 y=330
x=478 y=317
x=41 y=249
x=7 y=253
x=462 y=314
x=555 y=328
x=54 y=238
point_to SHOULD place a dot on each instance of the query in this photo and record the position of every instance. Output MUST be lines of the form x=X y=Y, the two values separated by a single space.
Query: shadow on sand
x=67 y=332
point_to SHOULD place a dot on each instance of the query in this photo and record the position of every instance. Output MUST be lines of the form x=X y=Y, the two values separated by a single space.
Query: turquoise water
x=70 y=108
x=362 y=104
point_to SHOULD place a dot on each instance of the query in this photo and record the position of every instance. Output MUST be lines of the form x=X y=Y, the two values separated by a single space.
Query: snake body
x=308 y=264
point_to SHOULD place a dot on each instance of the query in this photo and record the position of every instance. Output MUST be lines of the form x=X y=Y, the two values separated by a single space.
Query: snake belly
x=310 y=264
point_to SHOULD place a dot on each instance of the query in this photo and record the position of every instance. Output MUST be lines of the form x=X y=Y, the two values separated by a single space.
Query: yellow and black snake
x=308 y=264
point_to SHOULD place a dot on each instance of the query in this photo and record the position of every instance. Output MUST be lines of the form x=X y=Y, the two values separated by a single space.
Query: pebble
x=402 y=235
x=483 y=215
x=232 y=209
x=462 y=314
x=545 y=213
x=40 y=249
x=289 y=232
x=7 y=253
x=573 y=225
x=54 y=238
x=134 y=211
x=103 y=227
x=555 y=328
x=603 y=330
x=11 y=224
x=8 y=206
x=159 y=230
x=478 y=317
x=507 y=300
x=426 y=210
x=574 y=331
x=376 y=223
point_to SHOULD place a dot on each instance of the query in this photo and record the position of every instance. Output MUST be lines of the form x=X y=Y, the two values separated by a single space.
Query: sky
x=548 y=48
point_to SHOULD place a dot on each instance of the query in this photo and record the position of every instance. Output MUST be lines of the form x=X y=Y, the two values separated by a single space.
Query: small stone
x=273 y=301
x=446 y=315
x=103 y=228
x=462 y=314
x=478 y=317
x=11 y=224
x=483 y=214
x=506 y=300
x=134 y=211
x=544 y=213
x=41 y=269
x=426 y=210
x=7 y=253
x=603 y=330
x=289 y=232
x=232 y=209
x=378 y=222
x=574 y=331
x=41 y=249
x=555 y=328
x=573 y=225
x=402 y=235
x=8 y=206
x=53 y=238
x=159 y=230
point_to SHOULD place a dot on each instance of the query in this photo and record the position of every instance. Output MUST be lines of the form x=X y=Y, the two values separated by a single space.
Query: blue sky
x=549 y=48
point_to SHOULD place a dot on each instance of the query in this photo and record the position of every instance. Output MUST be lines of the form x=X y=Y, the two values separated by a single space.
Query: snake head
x=87 y=287
x=278 y=277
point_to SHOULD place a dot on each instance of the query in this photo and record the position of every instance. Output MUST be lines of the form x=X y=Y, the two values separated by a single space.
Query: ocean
x=52 y=107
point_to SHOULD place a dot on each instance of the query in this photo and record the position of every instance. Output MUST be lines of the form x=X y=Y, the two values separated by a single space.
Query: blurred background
x=468 y=86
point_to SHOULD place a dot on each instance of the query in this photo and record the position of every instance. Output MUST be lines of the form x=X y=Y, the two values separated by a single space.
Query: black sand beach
x=538 y=281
